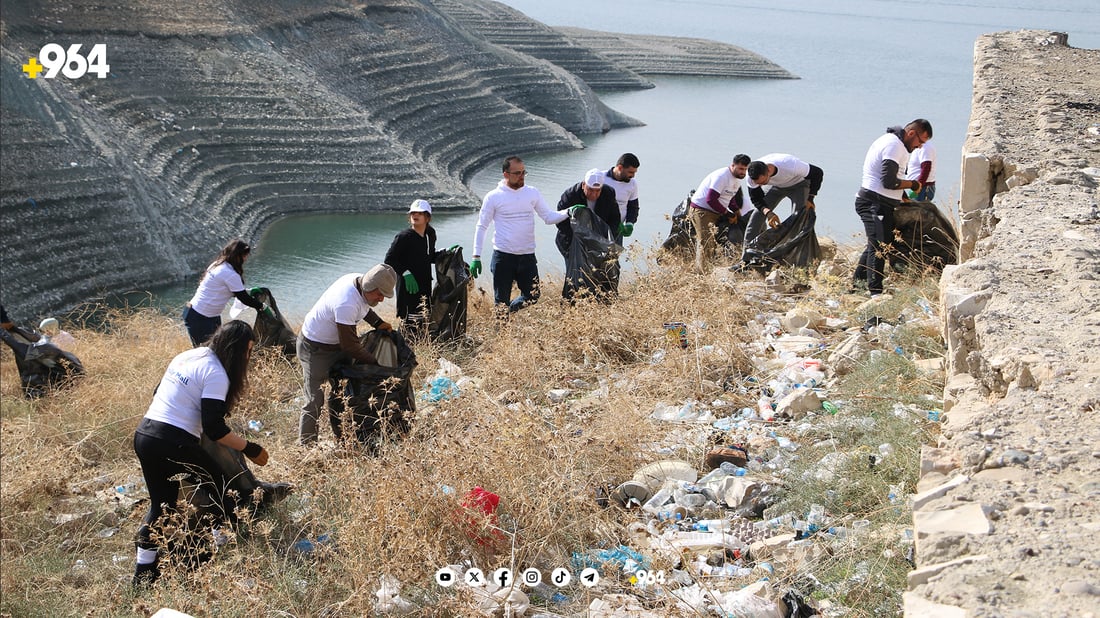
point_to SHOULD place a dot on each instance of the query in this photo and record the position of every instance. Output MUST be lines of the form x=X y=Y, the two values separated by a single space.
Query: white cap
x=420 y=206
x=593 y=178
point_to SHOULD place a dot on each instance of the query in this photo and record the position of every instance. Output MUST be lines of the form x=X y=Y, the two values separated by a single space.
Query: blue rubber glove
x=475 y=268
x=410 y=283
x=626 y=229
x=574 y=208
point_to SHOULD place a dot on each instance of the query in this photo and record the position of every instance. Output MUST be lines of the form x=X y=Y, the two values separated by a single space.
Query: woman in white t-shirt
x=194 y=397
x=222 y=281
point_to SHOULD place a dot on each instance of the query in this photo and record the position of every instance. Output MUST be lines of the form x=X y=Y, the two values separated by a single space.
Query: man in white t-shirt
x=718 y=196
x=511 y=208
x=621 y=179
x=880 y=192
x=786 y=177
x=328 y=334
x=922 y=168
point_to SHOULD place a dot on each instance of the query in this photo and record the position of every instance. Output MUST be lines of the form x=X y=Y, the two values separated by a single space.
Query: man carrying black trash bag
x=786 y=177
x=592 y=193
x=328 y=334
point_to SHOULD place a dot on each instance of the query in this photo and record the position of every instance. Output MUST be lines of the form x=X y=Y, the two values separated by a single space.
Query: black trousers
x=166 y=451
x=878 y=223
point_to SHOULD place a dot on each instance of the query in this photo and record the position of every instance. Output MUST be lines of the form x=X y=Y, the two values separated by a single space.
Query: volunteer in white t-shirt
x=621 y=179
x=881 y=191
x=718 y=196
x=511 y=208
x=222 y=281
x=786 y=177
x=196 y=394
x=922 y=168
x=328 y=335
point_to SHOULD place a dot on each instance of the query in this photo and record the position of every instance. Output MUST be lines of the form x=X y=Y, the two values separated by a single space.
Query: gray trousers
x=316 y=359
x=798 y=194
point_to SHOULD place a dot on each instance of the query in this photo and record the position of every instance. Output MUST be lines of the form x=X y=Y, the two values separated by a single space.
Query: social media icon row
x=503 y=577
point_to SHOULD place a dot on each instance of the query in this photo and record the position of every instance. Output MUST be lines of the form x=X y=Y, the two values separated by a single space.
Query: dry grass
x=394 y=513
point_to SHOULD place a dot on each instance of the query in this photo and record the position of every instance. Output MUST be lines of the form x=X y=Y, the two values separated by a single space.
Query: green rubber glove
x=254 y=291
x=268 y=312
x=453 y=247
x=626 y=229
x=574 y=208
x=475 y=268
x=410 y=283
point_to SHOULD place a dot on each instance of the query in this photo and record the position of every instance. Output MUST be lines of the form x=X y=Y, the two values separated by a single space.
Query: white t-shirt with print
x=192 y=376
x=726 y=184
x=789 y=171
x=927 y=152
x=624 y=192
x=341 y=303
x=216 y=289
x=888 y=146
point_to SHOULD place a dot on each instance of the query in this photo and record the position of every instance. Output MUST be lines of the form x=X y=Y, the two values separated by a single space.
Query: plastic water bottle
x=732 y=469
x=255 y=425
x=654 y=504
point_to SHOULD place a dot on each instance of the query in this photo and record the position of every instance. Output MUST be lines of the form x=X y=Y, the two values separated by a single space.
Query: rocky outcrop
x=220 y=116
x=1006 y=522
x=649 y=54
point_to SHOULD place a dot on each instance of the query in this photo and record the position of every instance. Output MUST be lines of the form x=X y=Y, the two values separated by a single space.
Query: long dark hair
x=233 y=253
x=230 y=345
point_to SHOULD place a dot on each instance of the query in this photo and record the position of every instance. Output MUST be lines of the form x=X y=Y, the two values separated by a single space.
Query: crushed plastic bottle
x=934 y=416
x=895 y=494
x=830 y=407
x=255 y=425
x=732 y=470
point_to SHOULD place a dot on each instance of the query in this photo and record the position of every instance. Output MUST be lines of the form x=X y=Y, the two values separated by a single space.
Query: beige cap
x=382 y=278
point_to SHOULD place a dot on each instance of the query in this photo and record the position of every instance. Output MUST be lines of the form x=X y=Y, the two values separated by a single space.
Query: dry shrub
x=400 y=512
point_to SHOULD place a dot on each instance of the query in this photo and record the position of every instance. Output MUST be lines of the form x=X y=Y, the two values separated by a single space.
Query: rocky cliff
x=220 y=116
x=1006 y=517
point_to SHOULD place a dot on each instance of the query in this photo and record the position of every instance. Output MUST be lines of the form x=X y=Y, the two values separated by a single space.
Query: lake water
x=864 y=65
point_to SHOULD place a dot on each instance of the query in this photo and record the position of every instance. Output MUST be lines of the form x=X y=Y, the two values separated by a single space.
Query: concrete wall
x=1005 y=516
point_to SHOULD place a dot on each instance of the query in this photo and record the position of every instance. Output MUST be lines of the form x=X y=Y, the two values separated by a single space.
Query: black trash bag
x=273 y=331
x=42 y=365
x=592 y=258
x=793 y=242
x=681 y=238
x=240 y=478
x=379 y=397
x=797 y=607
x=450 y=295
x=924 y=237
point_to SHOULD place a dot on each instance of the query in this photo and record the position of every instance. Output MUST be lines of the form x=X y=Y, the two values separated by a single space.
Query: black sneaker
x=145 y=575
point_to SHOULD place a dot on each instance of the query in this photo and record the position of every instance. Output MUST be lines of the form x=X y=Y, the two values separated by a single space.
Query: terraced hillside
x=220 y=116
x=507 y=27
x=667 y=55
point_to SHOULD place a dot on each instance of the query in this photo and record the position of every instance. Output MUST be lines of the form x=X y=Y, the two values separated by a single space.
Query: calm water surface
x=864 y=64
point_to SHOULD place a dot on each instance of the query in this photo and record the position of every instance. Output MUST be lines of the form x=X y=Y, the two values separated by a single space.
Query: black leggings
x=166 y=451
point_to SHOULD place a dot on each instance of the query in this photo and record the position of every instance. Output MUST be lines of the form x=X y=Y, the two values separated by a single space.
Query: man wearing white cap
x=412 y=254
x=329 y=336
x=511 y=208
x=598 y=197
x=62 y=339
